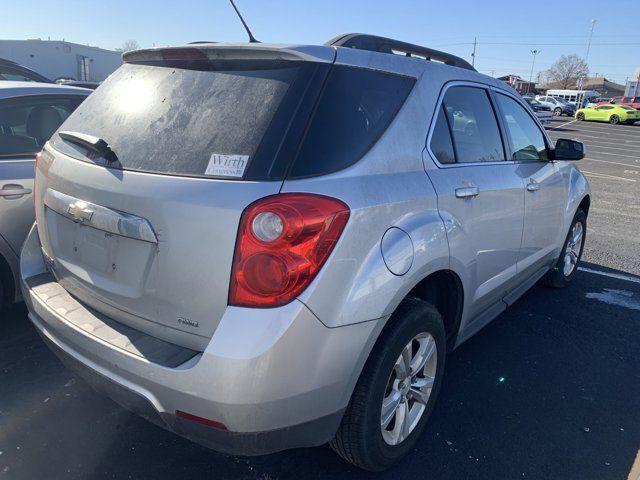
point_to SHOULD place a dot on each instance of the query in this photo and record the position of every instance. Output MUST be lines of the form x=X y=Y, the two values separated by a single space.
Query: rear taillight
x=282 y=243
x=35 y=170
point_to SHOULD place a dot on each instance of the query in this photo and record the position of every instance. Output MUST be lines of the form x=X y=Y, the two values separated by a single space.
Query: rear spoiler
x=235 y=51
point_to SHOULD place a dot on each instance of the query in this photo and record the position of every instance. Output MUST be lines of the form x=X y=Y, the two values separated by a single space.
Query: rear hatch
x=140 y=192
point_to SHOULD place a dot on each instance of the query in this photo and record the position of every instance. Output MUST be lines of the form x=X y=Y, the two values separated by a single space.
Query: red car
x=628 y=101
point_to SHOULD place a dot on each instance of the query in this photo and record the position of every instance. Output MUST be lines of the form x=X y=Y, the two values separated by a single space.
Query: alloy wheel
x=409 y=388
x=572 y=249
x=614 y=120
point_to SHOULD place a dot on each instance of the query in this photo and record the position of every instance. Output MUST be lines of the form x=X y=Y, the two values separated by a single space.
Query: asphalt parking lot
x=549 y=390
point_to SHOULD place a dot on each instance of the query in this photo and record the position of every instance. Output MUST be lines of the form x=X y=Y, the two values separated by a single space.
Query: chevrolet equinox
x=262 y=247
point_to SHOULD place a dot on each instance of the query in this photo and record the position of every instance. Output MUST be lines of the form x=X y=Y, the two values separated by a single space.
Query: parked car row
x=633 y=102
x=614 y=110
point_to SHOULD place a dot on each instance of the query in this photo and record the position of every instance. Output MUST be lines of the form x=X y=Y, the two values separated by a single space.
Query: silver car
x=262 y=247
x=29 y=113
x=557 y=106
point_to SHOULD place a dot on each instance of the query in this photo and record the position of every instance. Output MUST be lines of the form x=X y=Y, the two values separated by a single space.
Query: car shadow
x=550 y=389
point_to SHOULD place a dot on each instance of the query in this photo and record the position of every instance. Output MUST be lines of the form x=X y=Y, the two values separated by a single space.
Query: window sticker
x=221 y=165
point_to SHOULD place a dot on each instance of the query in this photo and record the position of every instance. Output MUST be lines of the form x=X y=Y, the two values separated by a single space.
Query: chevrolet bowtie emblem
x=80 y=211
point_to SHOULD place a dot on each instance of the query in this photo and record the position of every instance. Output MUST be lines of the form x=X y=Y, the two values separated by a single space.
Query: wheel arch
x=585 y=204
x=444 y=290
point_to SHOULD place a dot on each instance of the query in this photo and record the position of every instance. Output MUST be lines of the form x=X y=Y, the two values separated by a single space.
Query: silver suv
x=262 y=247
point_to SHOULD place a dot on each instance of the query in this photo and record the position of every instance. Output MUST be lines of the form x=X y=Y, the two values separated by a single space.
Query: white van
x=577 y=97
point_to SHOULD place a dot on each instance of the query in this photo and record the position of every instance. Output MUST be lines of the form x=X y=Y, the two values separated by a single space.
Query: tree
x=128 y=46
x=567 y=70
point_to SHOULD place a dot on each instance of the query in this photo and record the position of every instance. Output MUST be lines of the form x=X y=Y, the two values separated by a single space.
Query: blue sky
x=506 y=31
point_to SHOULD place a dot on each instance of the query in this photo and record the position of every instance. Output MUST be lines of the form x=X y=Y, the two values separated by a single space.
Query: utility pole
x=593 y=24
x=473 y=55
x=535 y=52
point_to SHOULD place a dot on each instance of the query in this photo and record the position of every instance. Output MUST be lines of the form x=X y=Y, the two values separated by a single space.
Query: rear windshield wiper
x=91 y=143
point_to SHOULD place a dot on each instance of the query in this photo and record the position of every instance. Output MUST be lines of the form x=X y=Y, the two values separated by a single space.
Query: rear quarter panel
x=386 y=188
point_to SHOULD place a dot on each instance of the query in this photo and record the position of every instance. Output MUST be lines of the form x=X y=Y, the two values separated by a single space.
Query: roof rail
x=373 y=43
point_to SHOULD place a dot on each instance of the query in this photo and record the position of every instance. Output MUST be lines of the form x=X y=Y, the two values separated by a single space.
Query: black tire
x=614 y=119
x=557 y=111
x=580 y=116
x=556 y=278
x=359 y=438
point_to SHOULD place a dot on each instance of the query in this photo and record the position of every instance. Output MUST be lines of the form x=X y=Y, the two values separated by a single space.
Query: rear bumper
x=314 y=432
x=276 y=378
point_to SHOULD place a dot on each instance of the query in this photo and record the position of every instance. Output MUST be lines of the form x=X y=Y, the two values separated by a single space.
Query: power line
x=539 y=43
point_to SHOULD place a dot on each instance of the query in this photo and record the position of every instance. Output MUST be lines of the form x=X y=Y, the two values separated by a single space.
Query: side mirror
x=569 y=150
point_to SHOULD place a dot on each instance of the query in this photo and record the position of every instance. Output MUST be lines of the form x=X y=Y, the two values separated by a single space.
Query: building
x=601 y=85
x=632 y=89
x=520 y=84
x=57 y=59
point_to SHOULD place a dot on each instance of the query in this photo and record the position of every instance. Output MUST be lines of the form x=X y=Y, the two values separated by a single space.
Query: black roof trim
x=373 y=43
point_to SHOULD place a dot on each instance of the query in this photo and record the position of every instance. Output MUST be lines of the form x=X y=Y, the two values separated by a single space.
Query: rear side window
x=527 y=141
x=474 y=129
x=441 y=143
x=354 y=110
x=205 y=119
x=27 y=123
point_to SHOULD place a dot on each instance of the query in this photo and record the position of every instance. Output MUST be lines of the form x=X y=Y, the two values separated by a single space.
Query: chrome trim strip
x=99 y=217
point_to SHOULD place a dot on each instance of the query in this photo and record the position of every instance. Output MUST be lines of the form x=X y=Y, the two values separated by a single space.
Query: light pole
x=593 y=24
x=535 y=52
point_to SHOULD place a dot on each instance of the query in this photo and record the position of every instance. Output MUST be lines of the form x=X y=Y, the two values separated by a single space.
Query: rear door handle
x=14 y=191
x=467 y=192
x=533 y=186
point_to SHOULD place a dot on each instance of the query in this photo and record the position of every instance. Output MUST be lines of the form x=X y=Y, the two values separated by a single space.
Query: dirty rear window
x=212 y=120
